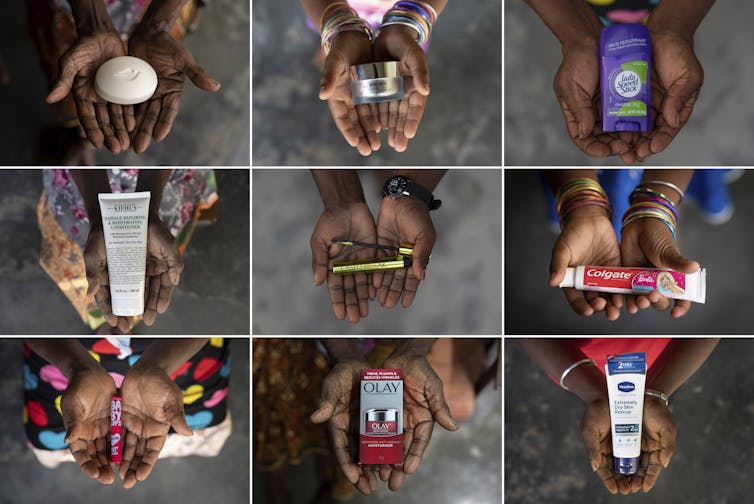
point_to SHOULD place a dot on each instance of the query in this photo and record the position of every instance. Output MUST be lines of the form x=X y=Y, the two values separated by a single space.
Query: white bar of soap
x=125 y=80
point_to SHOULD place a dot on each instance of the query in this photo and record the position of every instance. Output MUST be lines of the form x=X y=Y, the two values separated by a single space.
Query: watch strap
x=426 y=196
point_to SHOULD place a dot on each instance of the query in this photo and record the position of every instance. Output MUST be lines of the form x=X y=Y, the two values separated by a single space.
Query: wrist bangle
x=659 y=395
x=419 y=16
x=668 y=184
x=337 y=18
x=571 y=368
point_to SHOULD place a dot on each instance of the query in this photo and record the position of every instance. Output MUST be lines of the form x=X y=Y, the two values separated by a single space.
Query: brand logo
x=124 y=207
x=607 y=275
x=627 y=84
x=381 y=387
x=626 y=386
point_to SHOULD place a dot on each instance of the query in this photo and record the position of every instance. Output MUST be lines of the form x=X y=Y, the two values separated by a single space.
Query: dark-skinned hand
x=164 y=267
x=105 y=124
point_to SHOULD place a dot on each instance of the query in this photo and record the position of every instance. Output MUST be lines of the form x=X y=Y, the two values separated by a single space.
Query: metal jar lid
x=376 y=82
x=382 y=415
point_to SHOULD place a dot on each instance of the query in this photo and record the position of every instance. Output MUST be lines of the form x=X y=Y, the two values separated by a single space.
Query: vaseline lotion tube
x=626 y=374
x=124 y=222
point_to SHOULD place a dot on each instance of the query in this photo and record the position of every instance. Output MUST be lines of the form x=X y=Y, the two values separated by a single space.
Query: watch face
x=396 y=185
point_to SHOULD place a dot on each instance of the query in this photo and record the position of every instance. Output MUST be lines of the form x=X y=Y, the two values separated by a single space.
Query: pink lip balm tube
x=116 y=430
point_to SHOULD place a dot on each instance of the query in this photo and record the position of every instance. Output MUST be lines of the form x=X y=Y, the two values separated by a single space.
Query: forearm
x=315 y=8
x=169 y=354
x=555 y=356
x=338 y=188
x=414 y=347
x=573 y=22
x=678 y=362
x=342 y=349
x=153 y=181
x=677 y=177
x=428 y=179
x=67 y=354
x=557 y=178
x=678 y=16
x=160 y=15
x=91 y=16
x=90 y=183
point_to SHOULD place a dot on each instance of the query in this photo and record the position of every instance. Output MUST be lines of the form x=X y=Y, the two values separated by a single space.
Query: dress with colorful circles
x=622 y=11
x=203 y=380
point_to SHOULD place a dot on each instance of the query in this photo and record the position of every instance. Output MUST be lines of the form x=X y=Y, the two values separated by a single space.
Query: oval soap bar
x=125 y=80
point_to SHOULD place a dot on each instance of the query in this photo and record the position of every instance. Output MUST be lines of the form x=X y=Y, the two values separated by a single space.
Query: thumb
x=323 y=413
x=561 y=258
x=179 y=424
x=579 y=104
x=592 y=445
x=66 y=74
x=422 y=251
x=667 y=437
x=678 y=95
x=419 y=69
x=200 y=77
x=441 y=412
x=319 y=261
x=334 y=66
x=76 y=431
x=665 y=254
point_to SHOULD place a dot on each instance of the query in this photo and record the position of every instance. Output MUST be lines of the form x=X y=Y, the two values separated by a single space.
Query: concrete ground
x=462 y=292
x=532 y=307
x=462 y=467
x=545 y=459
x=462 y=121
x=209 y=130
x=717 y=134
x=224 y=478
x=212 y=298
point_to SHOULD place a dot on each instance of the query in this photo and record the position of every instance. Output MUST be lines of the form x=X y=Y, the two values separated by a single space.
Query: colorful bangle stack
x=419 y=16
x=649 y=203
x=578 y=193
x=337 y=18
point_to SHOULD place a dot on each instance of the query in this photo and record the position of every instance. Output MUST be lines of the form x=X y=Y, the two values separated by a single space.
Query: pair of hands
x=658 y=439
x=152 y=404
x=119 y=127
x=402 y=220
x=423 y=405
x=676 y=80
x=588 y=238
x=360 y=124
x=163 y=272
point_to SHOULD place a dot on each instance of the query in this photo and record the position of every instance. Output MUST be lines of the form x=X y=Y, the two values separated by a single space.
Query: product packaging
x=124 y=222
x=376 y=82
x=626 y=374
x=381 y=417
x=669 y=283
x=125 y=80
x=116 y=430
x=625 y=68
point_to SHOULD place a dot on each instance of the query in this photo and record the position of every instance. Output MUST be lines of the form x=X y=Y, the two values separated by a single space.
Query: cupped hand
x=85 y=406
x=152 y=404
x=402 y=117
x=163 y=272
x=597 y=436
x=172 y=62
x=105 y=124
x=404 y=220
x=349 y=294
x=587 y=238
x=357 y=123
x=95 y=259
x=677 y=78
x=658 y=438
x=648 y=242
x=423 y=405
x=339 y=407
x=576 y=88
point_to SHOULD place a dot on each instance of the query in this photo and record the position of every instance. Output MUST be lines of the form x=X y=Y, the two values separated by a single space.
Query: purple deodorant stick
x=625 y=67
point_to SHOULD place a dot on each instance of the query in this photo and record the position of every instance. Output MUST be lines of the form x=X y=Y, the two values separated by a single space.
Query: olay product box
x=381 y=417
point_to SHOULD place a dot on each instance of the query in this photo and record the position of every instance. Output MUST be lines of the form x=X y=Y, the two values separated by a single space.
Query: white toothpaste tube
x=124 y=221
x=669 y=283
x=626 y=374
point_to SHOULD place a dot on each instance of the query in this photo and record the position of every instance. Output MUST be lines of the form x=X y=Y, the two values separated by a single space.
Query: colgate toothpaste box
x=381 y=417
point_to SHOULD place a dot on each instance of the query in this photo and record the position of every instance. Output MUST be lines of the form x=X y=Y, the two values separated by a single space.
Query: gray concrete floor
x=462 y=467
x=213 y=297
x=718 y=132
x=224 y=478
x=532 y=307
x=462 y=121
x=209 y=130
x=462 y=292
x=713 y=413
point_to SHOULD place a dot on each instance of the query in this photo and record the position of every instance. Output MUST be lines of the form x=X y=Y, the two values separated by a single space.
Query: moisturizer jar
x=125 y=80
x=376 y=82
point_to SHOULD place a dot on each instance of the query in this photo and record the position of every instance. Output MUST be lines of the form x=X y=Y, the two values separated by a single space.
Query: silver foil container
x=382 y=415
x=376 y=82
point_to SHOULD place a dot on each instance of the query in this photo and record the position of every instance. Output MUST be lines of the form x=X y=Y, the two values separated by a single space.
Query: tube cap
x=626 y=465
x=570 y=278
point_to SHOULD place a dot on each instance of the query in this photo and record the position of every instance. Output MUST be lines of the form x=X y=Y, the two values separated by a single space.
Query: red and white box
x=381 y=417
x=116 y=430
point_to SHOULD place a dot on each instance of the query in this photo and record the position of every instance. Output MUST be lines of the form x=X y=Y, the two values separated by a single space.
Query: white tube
x=124 y=221
x=626 y=374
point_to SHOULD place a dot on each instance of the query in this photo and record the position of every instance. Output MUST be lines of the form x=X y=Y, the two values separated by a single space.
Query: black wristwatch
x=399 y=186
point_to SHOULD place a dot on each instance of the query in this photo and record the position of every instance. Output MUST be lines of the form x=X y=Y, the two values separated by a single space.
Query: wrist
x=586 y=212
x=91 y=17
x=418 y=348
x=588 y=41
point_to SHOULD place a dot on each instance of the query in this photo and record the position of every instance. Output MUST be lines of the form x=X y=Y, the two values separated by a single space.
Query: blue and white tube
x=626 y=374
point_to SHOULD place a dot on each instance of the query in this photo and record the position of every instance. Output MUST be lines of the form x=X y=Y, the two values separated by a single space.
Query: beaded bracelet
x=419 y=16
x=648 y=203
x=337 y=18
x=578 y=193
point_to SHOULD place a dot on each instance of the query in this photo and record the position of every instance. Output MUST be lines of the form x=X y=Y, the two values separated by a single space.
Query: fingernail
x=595 y=465
x=424 y=274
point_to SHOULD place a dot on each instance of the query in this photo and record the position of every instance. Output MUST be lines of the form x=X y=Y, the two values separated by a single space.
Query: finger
x=631 y=305
x=66 y=74
x=592 y=437
x=667 y=442
x=375 y=113
x=392 y=119
x=337 y=295
x=130 y=440
x=320 y=259
x=199 y=76
x=578 y=302
x=82 y=451
x=103 y=119
x=146 y=126
x=679 y=99
x=323 y=413
x=131 y=478
x=559 y=261
x=387 y=281
x=124 y=324
x=385 y=471
x=400 y=142
x=624 y=486
x=347 y=123
x=372 y=480
x=578 y=111
x=102 y=298
x=128 y=118
x=343 y=455
x=362 y=293
x=106 y=474
x=396 y=288
x=88 y=121
x=597 y=302
x=383 y=109
x=152 y=449
x=352 y=302
x=418 y=69
x=397 y=477
x=416 y=105
x=119 y=126
x=364 y=116
x=423 y=243
x=168 y=112
x=151 y=294
x=409 y=289
x=363 y=486
x=659 y=302
x=680 y=308
x=653 y=471
x=179 y=424
x=334 y=68
x=422 y=433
